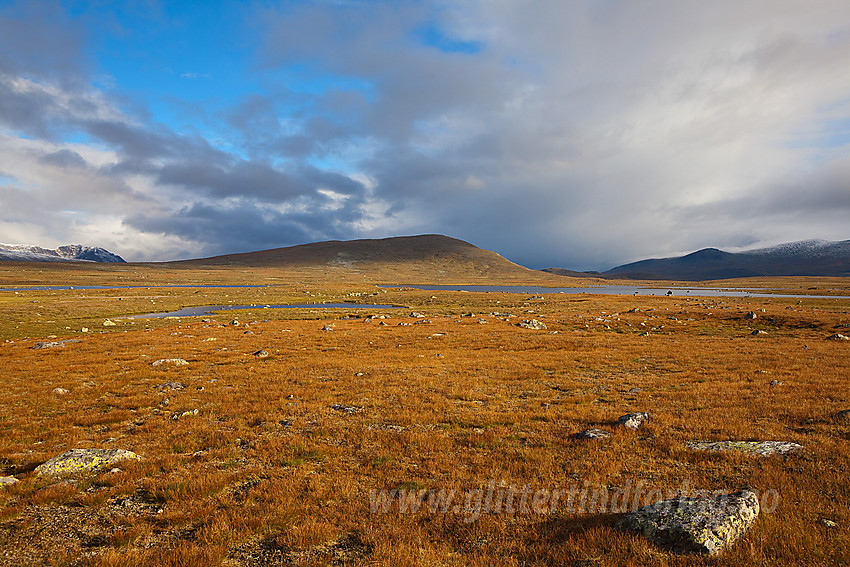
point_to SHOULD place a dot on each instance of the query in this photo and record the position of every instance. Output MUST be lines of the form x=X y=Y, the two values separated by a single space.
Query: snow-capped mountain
x=69 y=253
x=803 y=258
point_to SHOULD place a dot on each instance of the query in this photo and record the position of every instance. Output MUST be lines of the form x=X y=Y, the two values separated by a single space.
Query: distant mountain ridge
x=68 y=253
x=802 y=258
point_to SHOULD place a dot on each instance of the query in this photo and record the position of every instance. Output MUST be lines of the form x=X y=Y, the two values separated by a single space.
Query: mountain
x=415 y=258
x=69 y=253
x=804 y=258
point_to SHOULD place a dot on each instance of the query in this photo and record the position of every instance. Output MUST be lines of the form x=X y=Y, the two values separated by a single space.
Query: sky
x=559 y=133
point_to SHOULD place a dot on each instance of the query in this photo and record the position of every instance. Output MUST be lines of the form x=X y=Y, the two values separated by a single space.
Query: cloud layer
x=573 y=134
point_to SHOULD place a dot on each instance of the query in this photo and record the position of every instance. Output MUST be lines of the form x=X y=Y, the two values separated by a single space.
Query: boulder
x=835 y=337
x=704 y=525
x=83 y=460
x=633 y=420
x=750 y=316
x=531 y=324
x=753 y=448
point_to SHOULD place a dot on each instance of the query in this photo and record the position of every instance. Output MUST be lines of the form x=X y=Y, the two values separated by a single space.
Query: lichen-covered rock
x=169 y=361
x=757 y=448
x=83 y=460
x=633 y=420
x=7 y=480
x=702 y=525
x=55 y=344
x=531 y=324
x=593 y=434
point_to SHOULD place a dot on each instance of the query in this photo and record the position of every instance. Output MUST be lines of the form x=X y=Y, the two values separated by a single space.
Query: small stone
x=758 y=333
x=7 y=480
x=417 y=315
x=328 y=328
x=169 y=361
x=234 y=323
x=84 y=330
x=633 y=420
x=171 y=386
x=775 y=383
x=593 y=434
x=347 y=409
x=60 y=391
x=837 y=337
x=702 y=525
x=750 y=316
x=109 y=323
x=635 y=390
x=644 y=334
x=261 y=354
x=115 y=470
x=828 y=523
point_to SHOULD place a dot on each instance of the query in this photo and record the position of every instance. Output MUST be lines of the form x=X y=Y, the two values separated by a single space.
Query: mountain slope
x=804 y=258
x=68 y=253
x=413 y=257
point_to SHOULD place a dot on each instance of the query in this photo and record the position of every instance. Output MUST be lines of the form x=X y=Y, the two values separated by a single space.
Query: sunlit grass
x=267 y=464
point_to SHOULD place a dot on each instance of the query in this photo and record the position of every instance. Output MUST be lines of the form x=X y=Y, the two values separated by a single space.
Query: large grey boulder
x=756 y=448
x=704 y=525
x=633 y=420
x=78 y=461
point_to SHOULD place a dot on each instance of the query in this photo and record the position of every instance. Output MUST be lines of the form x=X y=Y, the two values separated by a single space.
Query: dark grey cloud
x=244 y=226
x=64 y=159
x=40 y=41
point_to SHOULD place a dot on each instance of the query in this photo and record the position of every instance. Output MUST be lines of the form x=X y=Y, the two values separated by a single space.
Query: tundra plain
x=270 y=445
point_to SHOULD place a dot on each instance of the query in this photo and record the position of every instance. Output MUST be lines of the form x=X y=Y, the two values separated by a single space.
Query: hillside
x=428 y=257
x=804 y=258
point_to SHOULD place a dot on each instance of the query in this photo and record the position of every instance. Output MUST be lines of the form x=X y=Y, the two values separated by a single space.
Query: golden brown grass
x=267 y=471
